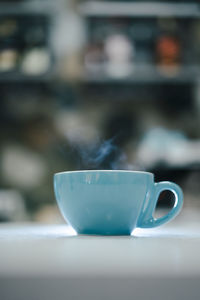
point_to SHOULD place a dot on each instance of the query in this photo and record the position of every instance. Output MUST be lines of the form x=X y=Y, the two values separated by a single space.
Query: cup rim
x=106 y=171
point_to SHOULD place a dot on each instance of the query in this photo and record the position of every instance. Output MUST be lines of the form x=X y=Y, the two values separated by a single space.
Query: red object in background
x=168 y=51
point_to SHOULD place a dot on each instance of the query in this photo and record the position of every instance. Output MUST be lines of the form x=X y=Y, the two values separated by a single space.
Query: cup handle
x=147 y=220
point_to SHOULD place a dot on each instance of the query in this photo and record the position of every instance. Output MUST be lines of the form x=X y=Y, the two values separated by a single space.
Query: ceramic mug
x=112 y=202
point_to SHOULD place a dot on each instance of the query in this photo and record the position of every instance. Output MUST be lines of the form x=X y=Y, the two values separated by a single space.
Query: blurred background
x=96 y=85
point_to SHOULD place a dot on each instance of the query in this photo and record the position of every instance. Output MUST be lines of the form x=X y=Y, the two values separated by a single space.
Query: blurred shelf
x=28 y=7
x=145 y=74
x=20 y=77
x=179 y=154
x=145 y=9
x=171 y=167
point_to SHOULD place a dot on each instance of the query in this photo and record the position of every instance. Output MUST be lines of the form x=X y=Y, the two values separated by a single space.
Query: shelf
x=168 y=168
x=144 y=74
x=145 y=9
x=179 y=154
x=28 y=7
x=20 y=77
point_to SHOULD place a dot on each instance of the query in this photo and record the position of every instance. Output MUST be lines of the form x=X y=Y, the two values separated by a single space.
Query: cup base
x=104 y=233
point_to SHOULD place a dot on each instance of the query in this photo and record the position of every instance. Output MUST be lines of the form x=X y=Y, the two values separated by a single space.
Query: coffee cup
x=112 y=202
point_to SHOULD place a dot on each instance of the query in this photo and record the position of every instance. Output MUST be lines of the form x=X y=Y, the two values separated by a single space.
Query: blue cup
x=115 y=202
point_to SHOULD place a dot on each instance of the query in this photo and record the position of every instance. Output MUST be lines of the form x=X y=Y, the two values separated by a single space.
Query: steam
x=106 y=155
x=102 y=155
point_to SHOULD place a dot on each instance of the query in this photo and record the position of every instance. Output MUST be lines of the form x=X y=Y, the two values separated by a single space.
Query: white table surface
x=51 y=262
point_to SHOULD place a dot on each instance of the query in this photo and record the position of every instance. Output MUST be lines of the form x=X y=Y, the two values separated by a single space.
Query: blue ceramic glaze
x=112 y=202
